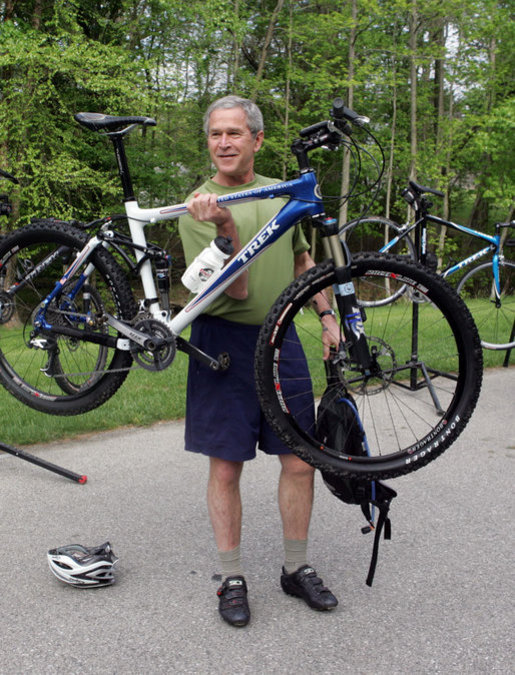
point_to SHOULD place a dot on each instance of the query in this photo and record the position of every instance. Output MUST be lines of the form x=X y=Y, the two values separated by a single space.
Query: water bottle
x=209 y=261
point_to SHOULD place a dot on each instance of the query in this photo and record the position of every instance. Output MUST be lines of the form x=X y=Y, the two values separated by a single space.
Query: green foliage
x=48 y=76
x=170 y=59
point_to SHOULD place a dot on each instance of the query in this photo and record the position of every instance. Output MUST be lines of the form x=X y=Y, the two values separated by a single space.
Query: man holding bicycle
x=223 y=417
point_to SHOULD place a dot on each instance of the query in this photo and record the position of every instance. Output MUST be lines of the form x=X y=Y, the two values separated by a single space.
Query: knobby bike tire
x=414 y=405
x=495 y=323
x=53 y=373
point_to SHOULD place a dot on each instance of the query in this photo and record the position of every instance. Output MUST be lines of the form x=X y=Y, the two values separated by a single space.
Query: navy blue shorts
x=223 y=415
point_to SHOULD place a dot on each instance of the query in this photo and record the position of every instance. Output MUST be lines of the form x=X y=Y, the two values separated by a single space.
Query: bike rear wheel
x=420 y=394
x=47 y=371
x=495 y=321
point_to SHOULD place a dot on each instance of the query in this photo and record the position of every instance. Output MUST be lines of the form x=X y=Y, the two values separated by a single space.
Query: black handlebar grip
x=338 y=108
x=340 y=111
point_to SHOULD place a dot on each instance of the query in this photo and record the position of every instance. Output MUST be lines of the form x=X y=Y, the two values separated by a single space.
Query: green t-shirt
x=270 y=273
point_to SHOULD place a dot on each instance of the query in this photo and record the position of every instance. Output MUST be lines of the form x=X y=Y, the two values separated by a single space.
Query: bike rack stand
x=414 y=364
x=79 y=478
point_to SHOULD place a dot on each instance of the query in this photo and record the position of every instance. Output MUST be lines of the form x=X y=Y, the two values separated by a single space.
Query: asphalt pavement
x=441 y=602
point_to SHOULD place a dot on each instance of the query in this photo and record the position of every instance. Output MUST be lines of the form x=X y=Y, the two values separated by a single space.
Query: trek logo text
x=256 y=244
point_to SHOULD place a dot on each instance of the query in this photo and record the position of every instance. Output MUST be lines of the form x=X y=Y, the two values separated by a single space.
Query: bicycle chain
x=136 y=350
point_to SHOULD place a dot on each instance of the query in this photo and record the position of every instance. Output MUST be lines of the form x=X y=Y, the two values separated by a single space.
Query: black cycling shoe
x=234 y=606
x=304 y=583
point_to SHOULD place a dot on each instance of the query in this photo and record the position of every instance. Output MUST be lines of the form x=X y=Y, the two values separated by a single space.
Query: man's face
x=232 y=146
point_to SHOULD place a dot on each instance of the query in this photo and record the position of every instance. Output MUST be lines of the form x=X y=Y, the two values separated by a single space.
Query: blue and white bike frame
x=305 y=200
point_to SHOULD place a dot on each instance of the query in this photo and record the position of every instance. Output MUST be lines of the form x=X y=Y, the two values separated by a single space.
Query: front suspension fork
x=351 y=314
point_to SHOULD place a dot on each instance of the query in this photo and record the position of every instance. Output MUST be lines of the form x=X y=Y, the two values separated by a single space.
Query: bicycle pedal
x=224 y=361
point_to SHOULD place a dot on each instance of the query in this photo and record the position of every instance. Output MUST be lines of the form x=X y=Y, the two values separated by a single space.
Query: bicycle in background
x=487 y=289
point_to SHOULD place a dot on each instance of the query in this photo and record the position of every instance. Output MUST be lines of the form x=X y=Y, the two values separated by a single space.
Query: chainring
x=160 y=350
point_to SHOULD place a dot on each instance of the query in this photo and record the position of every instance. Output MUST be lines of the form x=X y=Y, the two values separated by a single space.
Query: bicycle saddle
x=101 y=122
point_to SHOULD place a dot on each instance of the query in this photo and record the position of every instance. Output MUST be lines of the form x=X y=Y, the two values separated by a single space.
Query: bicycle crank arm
x=144 y=340
x=221 y=363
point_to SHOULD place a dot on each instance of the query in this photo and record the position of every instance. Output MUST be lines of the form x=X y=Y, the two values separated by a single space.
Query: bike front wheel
x=420 y=391
x=50 y=371
x=495 y=318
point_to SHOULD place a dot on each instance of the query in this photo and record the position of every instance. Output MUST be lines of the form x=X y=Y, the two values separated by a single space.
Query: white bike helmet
x=83 y=567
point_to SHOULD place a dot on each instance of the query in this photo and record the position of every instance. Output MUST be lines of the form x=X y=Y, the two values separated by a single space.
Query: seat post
x=123 y=167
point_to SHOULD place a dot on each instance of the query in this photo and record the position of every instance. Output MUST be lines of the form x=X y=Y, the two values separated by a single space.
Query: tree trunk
x=236 y=51
x=264 y=50
x=447 y=192
x=439 y=133
x=480 y=212
x=413 y=25
x=8 y=10
x=342 y=217
x=286 y=150
x=36 y=15
x=413 y=29
x=389 y=170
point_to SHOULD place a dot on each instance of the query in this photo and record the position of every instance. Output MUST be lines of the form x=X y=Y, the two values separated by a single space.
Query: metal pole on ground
x=80 y=478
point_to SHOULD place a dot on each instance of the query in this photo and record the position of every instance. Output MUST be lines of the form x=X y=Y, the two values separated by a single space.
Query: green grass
x=144 y=399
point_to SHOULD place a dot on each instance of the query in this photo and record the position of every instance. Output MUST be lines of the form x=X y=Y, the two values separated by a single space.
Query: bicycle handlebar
x=9 y=176
x=413 y=193
x=339 y=111
x=341 y=116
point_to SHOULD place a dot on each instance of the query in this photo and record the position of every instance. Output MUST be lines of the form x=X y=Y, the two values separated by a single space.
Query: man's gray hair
x=254 y=116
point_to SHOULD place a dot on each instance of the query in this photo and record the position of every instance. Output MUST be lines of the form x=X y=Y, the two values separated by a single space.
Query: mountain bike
x=488 y=288
x=78 y=328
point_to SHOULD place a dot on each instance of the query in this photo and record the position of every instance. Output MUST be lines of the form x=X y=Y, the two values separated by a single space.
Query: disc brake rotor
x=382 y=371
